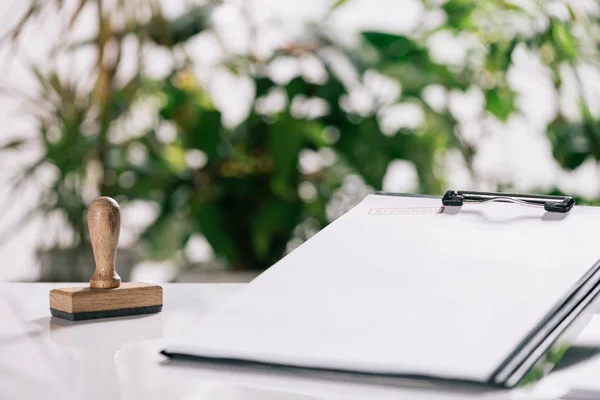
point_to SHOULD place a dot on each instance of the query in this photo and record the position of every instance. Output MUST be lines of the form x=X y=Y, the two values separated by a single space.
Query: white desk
x=44 y=357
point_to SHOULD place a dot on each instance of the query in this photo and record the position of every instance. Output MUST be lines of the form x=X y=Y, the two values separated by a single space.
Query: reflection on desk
x=42 y=357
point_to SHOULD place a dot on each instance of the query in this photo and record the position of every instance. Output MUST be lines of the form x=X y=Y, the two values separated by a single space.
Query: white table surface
x=45 y=357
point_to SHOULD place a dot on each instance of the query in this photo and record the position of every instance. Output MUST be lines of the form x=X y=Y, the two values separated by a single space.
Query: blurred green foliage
x=242 y=192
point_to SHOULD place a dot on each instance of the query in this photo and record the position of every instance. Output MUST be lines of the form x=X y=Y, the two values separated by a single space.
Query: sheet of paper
x=397 y=287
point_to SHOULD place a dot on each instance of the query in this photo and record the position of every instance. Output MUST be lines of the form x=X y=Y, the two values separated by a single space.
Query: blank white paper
x=395 y=287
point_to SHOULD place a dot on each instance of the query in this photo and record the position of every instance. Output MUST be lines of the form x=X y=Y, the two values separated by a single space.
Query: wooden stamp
x=106 y=296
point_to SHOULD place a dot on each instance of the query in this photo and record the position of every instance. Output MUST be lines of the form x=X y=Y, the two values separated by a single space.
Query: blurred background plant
x=284 y=134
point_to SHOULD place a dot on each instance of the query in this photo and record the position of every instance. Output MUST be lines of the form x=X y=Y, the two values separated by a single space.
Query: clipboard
x=478 y=287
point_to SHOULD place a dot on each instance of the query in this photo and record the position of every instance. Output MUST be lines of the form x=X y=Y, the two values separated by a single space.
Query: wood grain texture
x=104 y=222
x=85 y=299
x=106 y=292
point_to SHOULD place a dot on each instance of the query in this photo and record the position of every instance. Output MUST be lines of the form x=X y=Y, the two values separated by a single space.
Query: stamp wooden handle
x=104 y=223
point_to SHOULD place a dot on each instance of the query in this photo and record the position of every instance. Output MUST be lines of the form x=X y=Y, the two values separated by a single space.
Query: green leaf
x=174 y=156
x=315 y=133
x=366 y=149
x=570 y=145
x=500 y=55
x=564 y=41
x=123 y=98
x=396 y=47
x=263 y=85
x=167 y=234
x=414 y=78
x=276 y=220
x=408 y=61
x=207 y=134
x=423 y=149
x=500 y=101
x=198 y=121
x=338 y=3
x=212 y=224
x=168 y=237
x=15 y=144
x=459 y=14
x=286 y=137
x=34 y=9
x=297 y=86
x=170 y=33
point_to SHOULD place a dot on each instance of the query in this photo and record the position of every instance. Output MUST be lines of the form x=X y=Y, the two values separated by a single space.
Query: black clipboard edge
x=554 y=334
x=413 y=379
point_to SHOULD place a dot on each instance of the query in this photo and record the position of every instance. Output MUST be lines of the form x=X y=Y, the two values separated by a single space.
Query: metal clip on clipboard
x=556 y=204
